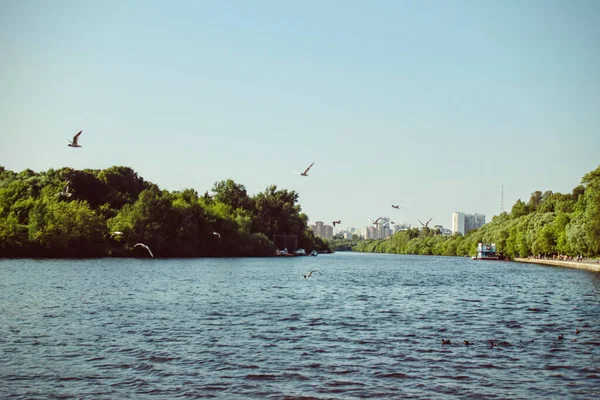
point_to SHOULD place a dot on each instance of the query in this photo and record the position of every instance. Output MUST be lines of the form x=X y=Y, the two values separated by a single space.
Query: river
x=363 y=326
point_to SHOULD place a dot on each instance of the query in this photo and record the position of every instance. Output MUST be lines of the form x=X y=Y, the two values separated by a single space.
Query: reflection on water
x=368 y=326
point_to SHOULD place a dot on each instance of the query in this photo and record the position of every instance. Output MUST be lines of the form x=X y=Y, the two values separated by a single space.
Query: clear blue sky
x=432 y=105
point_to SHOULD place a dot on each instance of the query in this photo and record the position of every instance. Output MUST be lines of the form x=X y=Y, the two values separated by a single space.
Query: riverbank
x=589 y=265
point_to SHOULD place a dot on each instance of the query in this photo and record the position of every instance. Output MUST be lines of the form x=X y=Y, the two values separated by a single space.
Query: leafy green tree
x=149 y=220
x=591 y=215
x=122 y=186
x=66 y=228
x=519 y=209
x=232 y=194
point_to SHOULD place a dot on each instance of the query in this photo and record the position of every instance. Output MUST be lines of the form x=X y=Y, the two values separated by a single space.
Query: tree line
x=548 y=224
x=105 y=212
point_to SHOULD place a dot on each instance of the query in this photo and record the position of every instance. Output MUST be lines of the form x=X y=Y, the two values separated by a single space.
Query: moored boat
x=487 y=251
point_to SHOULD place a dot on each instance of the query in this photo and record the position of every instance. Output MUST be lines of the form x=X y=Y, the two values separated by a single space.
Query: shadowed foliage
x=106 y=212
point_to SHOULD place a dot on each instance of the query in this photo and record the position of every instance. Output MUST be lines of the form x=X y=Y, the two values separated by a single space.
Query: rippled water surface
x=367 y=326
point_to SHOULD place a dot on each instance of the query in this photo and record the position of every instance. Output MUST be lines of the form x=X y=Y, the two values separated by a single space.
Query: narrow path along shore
x=589 y=265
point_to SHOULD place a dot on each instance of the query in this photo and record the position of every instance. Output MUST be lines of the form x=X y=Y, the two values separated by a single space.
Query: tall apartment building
x=328 y=232
x=464 y=223
x=383 y=229
x=370 y=232
x=321 y=230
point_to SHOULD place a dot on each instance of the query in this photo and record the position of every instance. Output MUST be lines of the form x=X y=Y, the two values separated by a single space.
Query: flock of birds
x=494 y=343
x=395 y=206
x=65 y=193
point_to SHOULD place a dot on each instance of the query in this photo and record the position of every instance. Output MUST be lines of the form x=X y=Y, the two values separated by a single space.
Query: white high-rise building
x=382 y=228
x=464 y=223
x=319 y=228
x=458 y=223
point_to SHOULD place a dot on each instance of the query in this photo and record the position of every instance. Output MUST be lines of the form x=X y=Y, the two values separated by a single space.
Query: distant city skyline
x=432 y=105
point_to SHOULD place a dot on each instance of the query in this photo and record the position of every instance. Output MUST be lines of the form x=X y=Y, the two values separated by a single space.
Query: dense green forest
x=549 y=223
x=98 y=213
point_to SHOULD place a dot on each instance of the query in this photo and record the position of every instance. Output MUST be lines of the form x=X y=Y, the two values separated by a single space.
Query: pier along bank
x=590 y=265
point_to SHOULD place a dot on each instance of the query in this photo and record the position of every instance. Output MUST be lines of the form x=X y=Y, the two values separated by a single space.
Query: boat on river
x=487 y=251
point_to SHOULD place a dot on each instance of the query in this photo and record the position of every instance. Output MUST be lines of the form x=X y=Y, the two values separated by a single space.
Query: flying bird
x=65 y=191
x=309 y=274
x=426 y=223
x=305 y=173
x=144 y=246
x=75 y=139
x=396 y=206
x=217 y=234
x=116 y=233
x=375 y=222
x=339 y=221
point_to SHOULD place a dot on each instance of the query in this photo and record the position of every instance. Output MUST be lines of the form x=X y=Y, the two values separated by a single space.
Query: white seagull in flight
x=309 y=274
x=144 y=246
x=65 y=192
x=305 y=173
x=75 y=139
x=375 y=222
x=426 y=223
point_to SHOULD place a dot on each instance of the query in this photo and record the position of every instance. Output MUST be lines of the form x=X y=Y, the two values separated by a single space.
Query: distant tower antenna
x=502 y=199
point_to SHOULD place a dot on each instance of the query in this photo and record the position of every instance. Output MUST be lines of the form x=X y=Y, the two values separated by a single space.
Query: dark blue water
x=368 y=326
